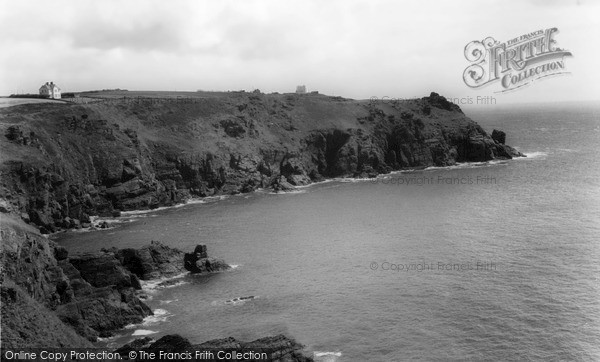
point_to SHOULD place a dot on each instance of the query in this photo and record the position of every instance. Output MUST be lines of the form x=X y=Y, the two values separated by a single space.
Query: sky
x=355 y=49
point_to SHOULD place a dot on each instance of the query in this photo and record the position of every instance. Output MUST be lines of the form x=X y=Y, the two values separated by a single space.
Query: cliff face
x=61 y=164
x=93 y=294
x=52 y=299
x=28 y=289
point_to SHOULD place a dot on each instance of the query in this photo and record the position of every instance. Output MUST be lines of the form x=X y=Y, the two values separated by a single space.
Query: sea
x=491 y=261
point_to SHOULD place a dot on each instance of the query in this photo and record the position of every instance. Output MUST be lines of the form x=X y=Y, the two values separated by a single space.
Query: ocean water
x=487 y=261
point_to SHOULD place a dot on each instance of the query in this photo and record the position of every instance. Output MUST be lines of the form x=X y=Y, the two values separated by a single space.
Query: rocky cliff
x=62 y=163
x=52 y=298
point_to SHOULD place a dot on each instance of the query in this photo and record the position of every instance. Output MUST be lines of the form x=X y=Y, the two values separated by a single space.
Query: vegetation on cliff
x=46 y=290
x=62 y=163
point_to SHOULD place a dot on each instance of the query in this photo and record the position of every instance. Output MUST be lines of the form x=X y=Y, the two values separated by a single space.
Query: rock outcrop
x=152 y=261
x=53 y=299
x=93 y=293
x=63 y=163
x=199 y=262
x=499 y=136
x=277 y=348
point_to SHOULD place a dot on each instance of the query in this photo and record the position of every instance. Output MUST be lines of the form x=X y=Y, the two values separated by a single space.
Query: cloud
x=147 y=36
x=351 y=48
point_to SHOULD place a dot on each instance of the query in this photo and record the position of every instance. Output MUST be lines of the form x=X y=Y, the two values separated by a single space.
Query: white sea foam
x=150 y=286
x=293 y=192
x=143 y=332
x=110 y=339
x=317 y=183
x=352 y=180
x=326 y=356
x=160 y=315
x=465 y=165
x=168 y=301
x=531 y=155
x=319 y=354
x=462 y=165
x=139 y=213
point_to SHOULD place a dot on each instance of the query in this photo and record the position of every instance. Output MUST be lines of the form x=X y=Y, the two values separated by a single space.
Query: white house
x=51 y=90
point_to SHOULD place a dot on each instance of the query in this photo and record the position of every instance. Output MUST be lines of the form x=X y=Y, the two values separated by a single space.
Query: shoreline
x=130 y=215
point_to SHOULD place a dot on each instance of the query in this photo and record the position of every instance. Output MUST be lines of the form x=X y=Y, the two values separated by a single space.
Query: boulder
x=499 y=136
x=199 y=262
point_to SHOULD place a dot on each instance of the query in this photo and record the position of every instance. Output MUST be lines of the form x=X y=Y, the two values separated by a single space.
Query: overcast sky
x=356 y=49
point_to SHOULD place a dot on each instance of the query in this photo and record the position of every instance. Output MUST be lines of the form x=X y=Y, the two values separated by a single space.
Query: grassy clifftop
x=61 y=163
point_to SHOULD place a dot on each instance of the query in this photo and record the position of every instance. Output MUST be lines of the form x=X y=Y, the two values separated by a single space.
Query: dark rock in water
x=221 y=343
x=153 y=261
x=282 y=348
x=278 y=348
x=499 y=136
x=199 y=262
x=200 y=251
x=479 y=149
x=240 y=299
